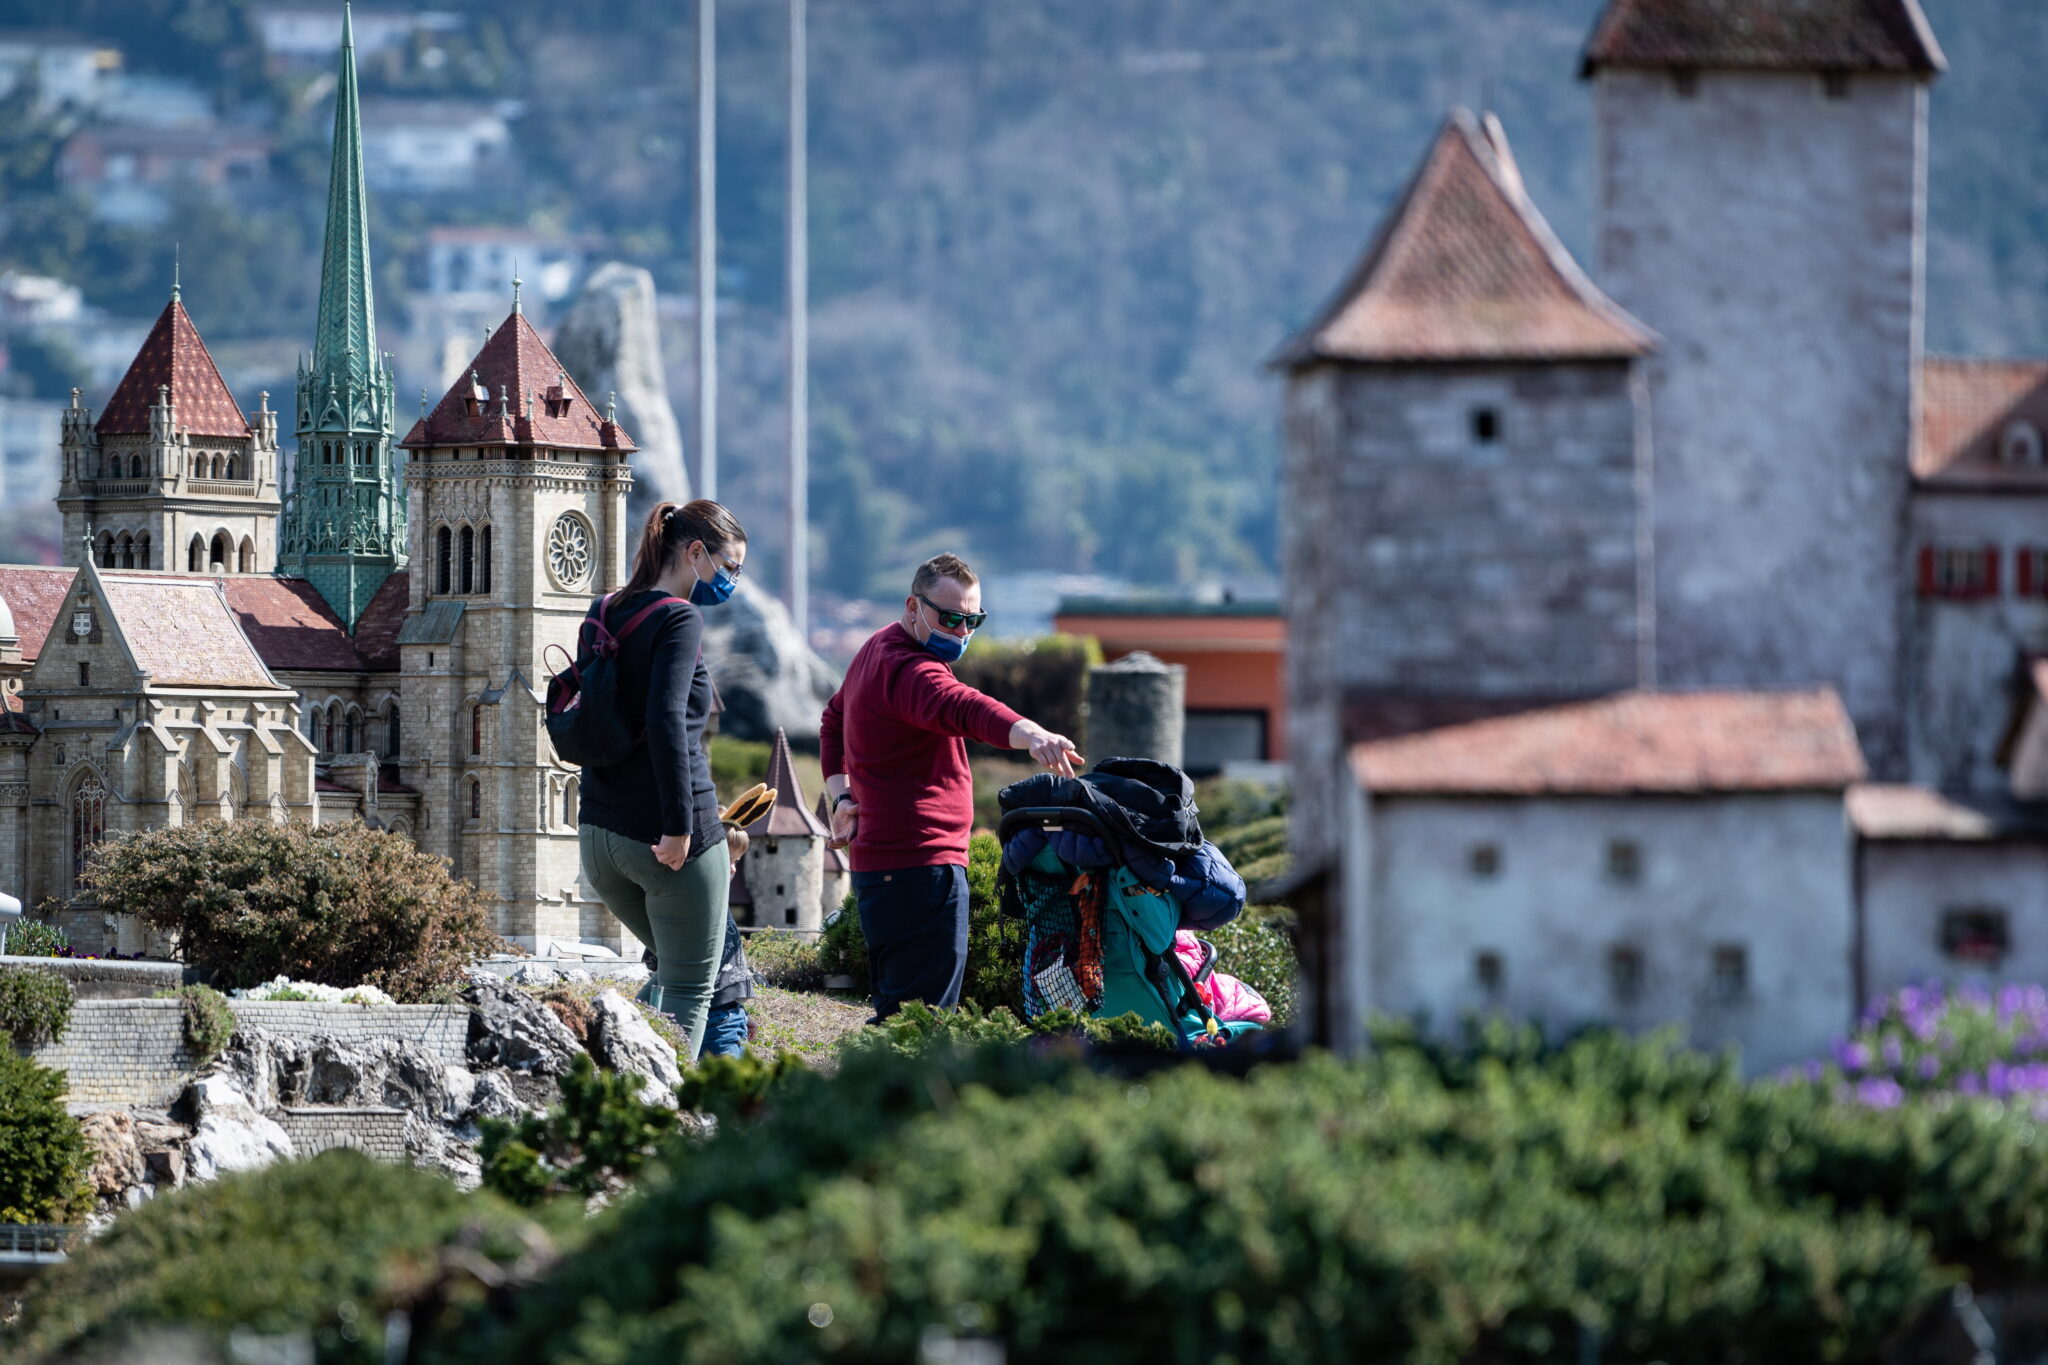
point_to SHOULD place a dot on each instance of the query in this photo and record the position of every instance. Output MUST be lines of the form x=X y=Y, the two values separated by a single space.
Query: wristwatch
x=843 y=798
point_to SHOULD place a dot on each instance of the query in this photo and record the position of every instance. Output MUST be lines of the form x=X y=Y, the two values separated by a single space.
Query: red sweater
x=895 y=728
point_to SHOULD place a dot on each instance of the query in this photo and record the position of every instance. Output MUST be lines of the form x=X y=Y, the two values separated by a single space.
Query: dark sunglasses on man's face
x=953 y=620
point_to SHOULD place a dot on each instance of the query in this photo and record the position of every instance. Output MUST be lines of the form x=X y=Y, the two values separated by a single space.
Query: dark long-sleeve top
x=663 y=786
x=897 y=727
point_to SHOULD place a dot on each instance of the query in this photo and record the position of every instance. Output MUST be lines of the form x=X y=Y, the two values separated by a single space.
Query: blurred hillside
x=1052 y=239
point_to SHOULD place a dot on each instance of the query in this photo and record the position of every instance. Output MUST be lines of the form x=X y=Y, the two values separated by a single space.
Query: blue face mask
x=711 y=594
x=947 y=647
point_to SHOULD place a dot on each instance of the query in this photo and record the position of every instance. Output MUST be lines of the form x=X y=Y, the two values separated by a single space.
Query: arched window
x=88 y=820
x=348 y=730
x=135 y=467
x=124 y=551
x=105 y=556
x=468 y=560
x=142 y=559
x=569 y=804
x=223 y=552
x=483 y=556
x=195 y=557
x=2020 y=444
x=443 y=558
x=391 y=731
x=476 y=729
x=248 y=555
x=476 y=799
x=327 y=746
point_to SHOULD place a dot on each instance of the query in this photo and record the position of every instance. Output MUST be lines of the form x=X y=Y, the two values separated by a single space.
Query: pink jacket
x=1227 y=997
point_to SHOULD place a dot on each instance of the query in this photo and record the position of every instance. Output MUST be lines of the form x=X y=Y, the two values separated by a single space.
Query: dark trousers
x=915 y=922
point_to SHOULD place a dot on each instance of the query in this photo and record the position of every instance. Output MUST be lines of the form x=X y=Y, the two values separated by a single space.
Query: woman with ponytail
x=652 y=844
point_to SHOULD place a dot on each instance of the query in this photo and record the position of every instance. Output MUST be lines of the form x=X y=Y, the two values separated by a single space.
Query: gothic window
x=570 y=551
x=124 y=551
x=349 y=727
x=476 y=799
x=327 y=747
x=483 y=559
x=84 y=673
x=223 y=551
x=106 y=550
x=391 y=732
x=197 y=467
x=88 y=820
x=569 y=803
x=142 y=559
x=468 y=560
x=135 y=467
x=476 y=729
x=195 y=557
x=444 y=555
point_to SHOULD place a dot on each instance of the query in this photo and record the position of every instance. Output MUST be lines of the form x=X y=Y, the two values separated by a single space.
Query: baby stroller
x=1101 y=904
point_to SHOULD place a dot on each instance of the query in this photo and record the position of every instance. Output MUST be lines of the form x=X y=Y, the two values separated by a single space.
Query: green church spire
x=344 y=526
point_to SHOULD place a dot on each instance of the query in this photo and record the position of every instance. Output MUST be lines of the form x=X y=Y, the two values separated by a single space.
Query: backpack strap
x=619 y=637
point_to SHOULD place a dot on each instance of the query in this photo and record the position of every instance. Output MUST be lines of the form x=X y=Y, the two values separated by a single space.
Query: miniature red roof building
x=1465 y=268
x=173 y=358
x=1769 y=35
x=1969 y=410
x=516 y=393
x=1673 y=743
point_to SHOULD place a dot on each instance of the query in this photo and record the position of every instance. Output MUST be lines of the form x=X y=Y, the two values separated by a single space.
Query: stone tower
x=781 y=881
x=1761 y=173
x=172 y=475
x=1464 y=475
x=345 y=526
x=517 y=487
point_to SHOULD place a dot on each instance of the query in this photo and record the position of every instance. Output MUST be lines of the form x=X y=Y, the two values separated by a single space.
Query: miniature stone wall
x=101 y=979
x=132 y=1052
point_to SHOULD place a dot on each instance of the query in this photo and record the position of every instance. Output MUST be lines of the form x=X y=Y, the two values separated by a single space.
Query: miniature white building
x=780 y=884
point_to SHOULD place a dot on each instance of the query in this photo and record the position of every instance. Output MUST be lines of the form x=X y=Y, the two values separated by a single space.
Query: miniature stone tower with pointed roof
x=345 y=529
x=1464 y=478
x=517 y=488
x=781 y=881
x=172 y=475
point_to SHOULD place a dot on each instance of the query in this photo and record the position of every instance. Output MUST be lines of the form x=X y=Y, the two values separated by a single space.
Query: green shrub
x=35 y=1005
x=1258 y=850
x=36 y=938
x=1044 y=677
x=595 y=1139
x=791 y=961
x=330 y=1245
x=342 y=905
x=842 y=949
x=43 y=1154
x=1316 y=1211
x=1258 y=949
x=737 y=764
x=209 y=1023
x=995 y=942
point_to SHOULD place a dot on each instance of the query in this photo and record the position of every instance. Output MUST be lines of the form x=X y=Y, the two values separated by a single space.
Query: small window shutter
x=1927 y=571
x=1991 y=571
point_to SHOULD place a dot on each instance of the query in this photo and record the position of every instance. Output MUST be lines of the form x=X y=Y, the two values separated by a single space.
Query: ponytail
x=670 y=528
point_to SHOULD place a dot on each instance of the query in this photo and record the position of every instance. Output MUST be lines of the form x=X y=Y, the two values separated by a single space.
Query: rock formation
x=509 y=1028
x=768 y=676
x=621 y=1039
x=610 y=343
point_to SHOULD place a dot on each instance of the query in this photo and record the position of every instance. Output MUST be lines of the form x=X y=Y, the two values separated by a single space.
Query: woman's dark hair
x=670 y=529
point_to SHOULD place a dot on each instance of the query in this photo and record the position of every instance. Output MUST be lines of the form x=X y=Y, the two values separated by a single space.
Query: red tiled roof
x=181 y=631
x=377 y=628
x=290 y=624
x=517 y=364
x=326 y=784
x=1466 y=268
x=35 y=594
x=173 y=356
x=789 y=817
x=1678 y=743
x=1965 y=406
x=1770 y=35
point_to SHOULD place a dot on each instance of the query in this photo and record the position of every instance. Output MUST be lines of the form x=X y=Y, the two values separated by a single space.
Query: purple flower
x=1894 y=1050
x=1930 y=1067
x=1814 y=1070
x=1878 y=1092
x=1852 y=1055
x=1969 y=1085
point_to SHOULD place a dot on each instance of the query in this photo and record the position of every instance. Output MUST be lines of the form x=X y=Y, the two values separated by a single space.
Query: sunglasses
x=953 y=620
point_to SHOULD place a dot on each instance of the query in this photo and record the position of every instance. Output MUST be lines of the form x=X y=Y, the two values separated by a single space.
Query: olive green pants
x=678 y=913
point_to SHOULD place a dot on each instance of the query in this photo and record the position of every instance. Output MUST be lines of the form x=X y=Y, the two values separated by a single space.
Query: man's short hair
x=942 y=566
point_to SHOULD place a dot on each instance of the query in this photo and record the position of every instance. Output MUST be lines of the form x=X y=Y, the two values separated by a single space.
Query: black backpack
x=585 y=721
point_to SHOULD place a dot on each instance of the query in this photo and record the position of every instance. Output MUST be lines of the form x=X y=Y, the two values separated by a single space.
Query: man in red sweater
x=894 y=744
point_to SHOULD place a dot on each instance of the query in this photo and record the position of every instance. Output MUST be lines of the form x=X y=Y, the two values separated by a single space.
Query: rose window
x=569 y=550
